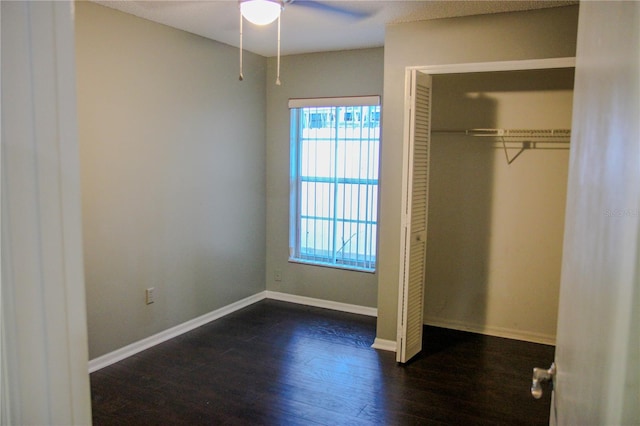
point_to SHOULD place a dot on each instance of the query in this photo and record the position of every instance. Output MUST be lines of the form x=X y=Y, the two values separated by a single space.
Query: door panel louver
x=415 y=241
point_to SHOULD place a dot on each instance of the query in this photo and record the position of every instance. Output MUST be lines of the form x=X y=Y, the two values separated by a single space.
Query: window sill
x=332 y=266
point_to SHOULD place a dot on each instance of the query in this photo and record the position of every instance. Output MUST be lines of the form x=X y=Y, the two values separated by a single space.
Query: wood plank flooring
x=276 y=363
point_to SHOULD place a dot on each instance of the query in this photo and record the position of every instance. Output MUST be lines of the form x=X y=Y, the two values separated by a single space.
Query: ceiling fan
x=272 y=8
x=264 y=12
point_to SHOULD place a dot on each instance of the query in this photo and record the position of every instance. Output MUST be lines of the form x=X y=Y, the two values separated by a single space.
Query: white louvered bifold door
x=414 y=232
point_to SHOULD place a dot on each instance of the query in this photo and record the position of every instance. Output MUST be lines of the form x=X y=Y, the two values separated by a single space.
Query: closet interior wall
x=495 y=233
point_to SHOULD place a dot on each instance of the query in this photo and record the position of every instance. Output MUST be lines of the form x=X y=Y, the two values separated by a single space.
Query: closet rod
x=510 y=133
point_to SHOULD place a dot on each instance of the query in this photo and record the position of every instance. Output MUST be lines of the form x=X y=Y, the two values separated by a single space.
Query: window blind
x=335 y=102
x=335 y=162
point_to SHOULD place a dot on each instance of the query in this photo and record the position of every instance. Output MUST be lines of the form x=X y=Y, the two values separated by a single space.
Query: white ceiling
x=312 y=29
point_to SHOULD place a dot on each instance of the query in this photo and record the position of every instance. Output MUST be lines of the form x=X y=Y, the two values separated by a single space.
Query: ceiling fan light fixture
x=261 y=12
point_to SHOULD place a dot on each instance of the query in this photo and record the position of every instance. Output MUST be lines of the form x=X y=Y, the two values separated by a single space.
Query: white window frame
x=367 y=244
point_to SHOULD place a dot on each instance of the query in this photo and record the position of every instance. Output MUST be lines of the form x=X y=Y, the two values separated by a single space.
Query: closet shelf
x=553 y=134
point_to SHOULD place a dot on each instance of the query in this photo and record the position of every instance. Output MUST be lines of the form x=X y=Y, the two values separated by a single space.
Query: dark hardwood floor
x=277 y=363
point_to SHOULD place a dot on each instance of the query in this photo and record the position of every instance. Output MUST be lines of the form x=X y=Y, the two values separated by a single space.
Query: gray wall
x=512 y=36
x=172 y=172
x=173 y=160
x=346 y=73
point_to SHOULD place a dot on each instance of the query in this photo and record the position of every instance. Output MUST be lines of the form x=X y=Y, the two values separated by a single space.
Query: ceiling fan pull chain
x=241 y=76
x=278 y=67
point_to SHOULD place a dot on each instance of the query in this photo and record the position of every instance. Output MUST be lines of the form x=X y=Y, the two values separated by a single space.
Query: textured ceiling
x=306 y=28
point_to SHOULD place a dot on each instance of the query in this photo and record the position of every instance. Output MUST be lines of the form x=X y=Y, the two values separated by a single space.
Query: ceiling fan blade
x=330 y=7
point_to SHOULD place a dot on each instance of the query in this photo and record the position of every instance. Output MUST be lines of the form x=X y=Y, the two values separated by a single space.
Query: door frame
x=43 y=347
x=461 y=68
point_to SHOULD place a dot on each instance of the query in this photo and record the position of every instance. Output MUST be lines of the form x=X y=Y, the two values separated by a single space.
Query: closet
x=497 y=201
x=497 y=178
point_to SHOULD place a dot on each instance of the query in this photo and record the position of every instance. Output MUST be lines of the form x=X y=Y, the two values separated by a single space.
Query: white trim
x=381 y=344
x=339 y=101
x=333 y=265
x=509 y=333
x=146 y=343
x=529 y=64
x=44 y=334
x=321 y=303
x=384 y=345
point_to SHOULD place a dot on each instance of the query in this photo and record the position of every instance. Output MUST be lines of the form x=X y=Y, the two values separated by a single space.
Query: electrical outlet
x=150 y=295
x=277 y=275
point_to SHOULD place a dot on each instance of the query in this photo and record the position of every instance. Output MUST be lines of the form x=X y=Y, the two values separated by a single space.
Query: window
x=335 y=146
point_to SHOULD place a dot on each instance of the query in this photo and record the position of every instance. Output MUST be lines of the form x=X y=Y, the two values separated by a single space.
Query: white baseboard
x=509 y=333
x=384 y=345
x=321 y=303
x=146 y=343
x=139 y=346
